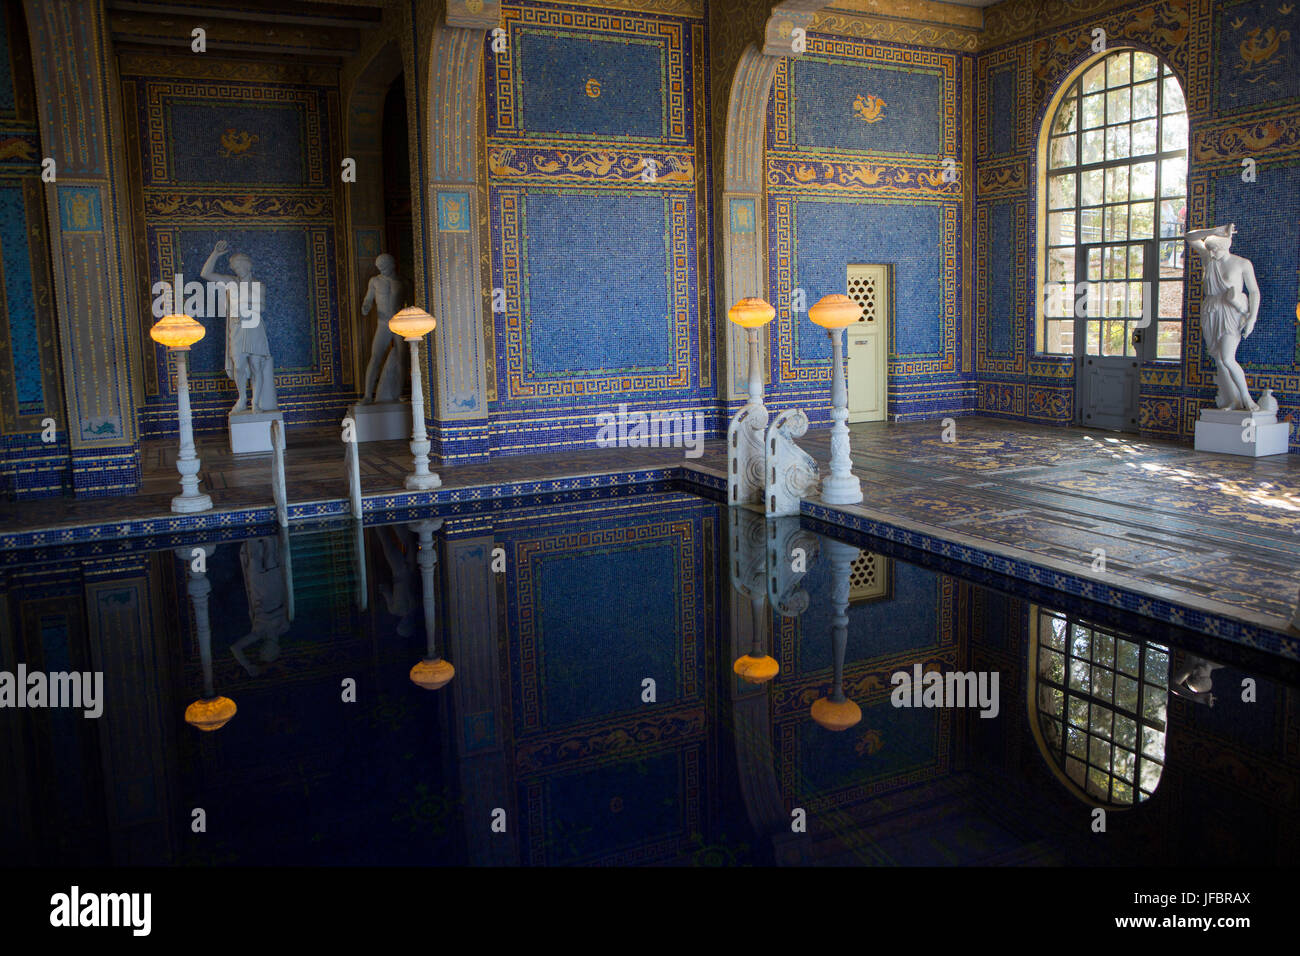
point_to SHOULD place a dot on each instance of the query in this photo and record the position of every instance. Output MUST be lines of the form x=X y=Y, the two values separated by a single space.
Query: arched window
x=1114 y=194
x=1097 y=707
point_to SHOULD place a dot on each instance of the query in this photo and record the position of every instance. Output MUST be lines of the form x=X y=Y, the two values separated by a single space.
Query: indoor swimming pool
x=596 y=715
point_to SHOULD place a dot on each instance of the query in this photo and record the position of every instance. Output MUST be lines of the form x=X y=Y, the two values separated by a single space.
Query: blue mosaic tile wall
x=864 y=164
x=598 y=157
x=270 y=133
x=29 y=363
x=1238 y=62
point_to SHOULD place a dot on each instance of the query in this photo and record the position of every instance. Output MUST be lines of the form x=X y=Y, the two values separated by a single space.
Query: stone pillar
x=96 y=295
x=452 y=234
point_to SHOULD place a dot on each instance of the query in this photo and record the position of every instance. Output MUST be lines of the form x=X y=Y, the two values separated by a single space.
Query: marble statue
x=268 y=608
x=386 y=293
x=1228 y=310
x=248 y=354
x=1194 y=680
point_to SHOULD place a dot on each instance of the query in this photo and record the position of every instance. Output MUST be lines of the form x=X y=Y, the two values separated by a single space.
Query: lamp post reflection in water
x=433 y=672
x=210 y=712
x=838 y=712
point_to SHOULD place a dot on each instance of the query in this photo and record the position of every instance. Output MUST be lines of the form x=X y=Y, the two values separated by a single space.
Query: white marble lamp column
x=834 y=313
x=178 y=333
x=413 y=324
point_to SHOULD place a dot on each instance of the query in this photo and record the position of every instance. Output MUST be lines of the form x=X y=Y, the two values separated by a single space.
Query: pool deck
x=1209 y=542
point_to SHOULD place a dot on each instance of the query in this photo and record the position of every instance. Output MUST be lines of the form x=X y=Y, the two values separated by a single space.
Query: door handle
x=1137 y=337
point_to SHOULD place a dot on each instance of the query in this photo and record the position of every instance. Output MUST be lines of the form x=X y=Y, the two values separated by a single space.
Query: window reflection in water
x=1100 y=702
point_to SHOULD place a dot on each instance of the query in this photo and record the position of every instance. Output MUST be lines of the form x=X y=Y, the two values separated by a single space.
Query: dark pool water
x=595 y=716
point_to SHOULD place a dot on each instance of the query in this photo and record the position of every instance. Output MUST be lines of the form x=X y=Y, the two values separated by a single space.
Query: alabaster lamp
x=211 y=711
x=757 y=667
x=178 y=333
x=432 y=672
x=837 y=712
x=751 y=314
x=413 y=323
x=834 y=313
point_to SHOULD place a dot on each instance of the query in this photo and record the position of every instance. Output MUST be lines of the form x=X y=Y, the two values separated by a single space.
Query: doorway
x=868 y=343
x=1113 y=330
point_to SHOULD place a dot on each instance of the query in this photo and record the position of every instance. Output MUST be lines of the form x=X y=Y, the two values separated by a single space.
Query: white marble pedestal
x=1253 y=434
x=250 y=432
x=382 y=421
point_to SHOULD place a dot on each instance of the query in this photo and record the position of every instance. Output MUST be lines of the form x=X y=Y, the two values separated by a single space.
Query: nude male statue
x=386 y=292
x=1228 y=309
x=248 y=354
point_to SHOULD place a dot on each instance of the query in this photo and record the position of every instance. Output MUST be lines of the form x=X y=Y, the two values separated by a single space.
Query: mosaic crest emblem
x=869 y=108
x=592 y=88
x=453 y=212
x=742 y=215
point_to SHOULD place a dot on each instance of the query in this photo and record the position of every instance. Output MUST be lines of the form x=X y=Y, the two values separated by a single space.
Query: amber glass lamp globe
x=836 y=715
x=751 y=313
x=211 y=713
x=432 y=674
x=835 y=311
x=412 y=322
x=756 y=670
x=176 y=331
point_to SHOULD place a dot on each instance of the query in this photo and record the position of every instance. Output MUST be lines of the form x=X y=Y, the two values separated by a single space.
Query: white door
x=868 y=343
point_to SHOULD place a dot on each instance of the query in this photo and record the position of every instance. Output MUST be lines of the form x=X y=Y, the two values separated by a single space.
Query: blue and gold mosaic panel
x=1269 y=236
x=1001 y=299
x=293 y=262
x=813 y=242
x=1256 y=53
x=589 y=74
x=206 y=134
x=848 y=95
x=566 y=587
x=599 y=292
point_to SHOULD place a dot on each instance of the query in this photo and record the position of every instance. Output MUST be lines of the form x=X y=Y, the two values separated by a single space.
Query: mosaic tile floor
x=1211 y=532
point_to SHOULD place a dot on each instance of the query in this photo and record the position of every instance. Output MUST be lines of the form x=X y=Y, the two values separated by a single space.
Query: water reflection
x=649 y=680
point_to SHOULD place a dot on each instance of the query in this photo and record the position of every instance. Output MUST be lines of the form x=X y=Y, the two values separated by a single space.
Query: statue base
x=250 y=432
x=382 y=421
x=1240 y=432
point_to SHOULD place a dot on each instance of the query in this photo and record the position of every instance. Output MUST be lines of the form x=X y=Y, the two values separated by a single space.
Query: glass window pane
x=1173 y=133
x=1095 y=78
x=1117 y=142
x=1144 y=138
x=1171 y=298
x=1090 y=225
x=1059 y=338
x=1115 y=264
x=1173 y=96
x=1117 y=106
x=1091 y=187
x=1171 y=258
x=1135 y=257
x=1061 y=190
x=1142 y=181
x=1144 y=100
x=1113 y=338
x=1060 y=228
x=1060 y=265
x=1169 y=341
x=1141 y=223
x=1136 y=303
x=1062 y=151
x=1094 y=338
x=1117 y=69
x=1093 y=111
x=1094 y=261
x=1066 y=115
x=1094 y=142
x=1127 y=658
x=1173 y=177
x=1172 y=214
x=1117 y=184
x=1145 y=66
x=1116 y=223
